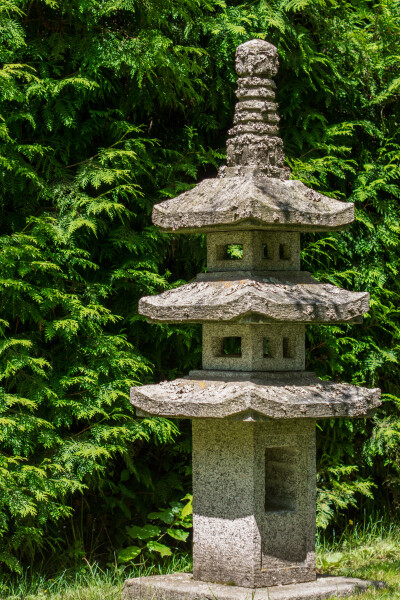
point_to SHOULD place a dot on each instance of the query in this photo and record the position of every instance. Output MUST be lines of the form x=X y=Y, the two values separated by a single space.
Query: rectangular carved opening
x=265 y=251
x=231 y=346
x=284 y=252
x=287 y=348
x=267 y=348
x=230 y=252
x=280 y=479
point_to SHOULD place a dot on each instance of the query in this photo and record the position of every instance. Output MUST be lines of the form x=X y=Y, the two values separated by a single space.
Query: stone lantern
x=253 y=406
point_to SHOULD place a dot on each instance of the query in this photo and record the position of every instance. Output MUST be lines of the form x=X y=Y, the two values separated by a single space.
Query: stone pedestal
x=253 y=502
x=182 y=586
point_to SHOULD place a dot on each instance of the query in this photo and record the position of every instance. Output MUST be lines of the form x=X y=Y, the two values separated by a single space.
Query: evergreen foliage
x=106 y=107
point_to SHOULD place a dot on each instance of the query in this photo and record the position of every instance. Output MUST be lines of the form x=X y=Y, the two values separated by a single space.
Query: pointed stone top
x=258 y=58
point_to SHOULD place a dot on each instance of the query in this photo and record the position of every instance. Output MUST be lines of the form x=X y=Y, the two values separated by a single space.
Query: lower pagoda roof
x=254 y=395
x=256 y=297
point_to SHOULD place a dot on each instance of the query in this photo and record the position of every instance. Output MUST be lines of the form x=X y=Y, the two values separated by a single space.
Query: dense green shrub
x=107 y=106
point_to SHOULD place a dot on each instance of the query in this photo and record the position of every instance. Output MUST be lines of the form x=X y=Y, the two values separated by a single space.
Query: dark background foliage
x=106 y=107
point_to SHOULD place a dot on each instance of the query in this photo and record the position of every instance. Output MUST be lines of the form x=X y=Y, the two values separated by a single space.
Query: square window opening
x=284 y=252
x=230 y=252
x=266 y=252
x=231 y=346
x=287 y=348
x=280 y=479
x=267 y=348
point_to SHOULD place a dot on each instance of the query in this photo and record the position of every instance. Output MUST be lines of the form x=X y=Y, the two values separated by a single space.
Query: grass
x=92 y=583
x=369 y=551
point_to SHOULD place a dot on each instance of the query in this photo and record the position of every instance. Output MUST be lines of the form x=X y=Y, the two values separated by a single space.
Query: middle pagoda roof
x=263 y=297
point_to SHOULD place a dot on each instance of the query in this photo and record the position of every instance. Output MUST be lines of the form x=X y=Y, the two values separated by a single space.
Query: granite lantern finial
x=255 y=140
x=253 y=406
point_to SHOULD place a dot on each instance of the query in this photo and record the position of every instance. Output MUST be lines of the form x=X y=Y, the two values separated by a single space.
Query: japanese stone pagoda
x=253 y=405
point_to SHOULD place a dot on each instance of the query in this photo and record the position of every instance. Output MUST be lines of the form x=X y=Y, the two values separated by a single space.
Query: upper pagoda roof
x=253 y=190
x=256 y=297
x=251 y=201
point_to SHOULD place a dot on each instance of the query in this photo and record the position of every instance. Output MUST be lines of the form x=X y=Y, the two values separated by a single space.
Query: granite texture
x=254 y=149
x=255 y=142
x=253 y=502
x=256 y=297
x=260 y=128
x=182 y=586
x=250 y=200
x=256 y=58
x=249 y=88
x=262 y=251
x=263 y=347
x=253 y=396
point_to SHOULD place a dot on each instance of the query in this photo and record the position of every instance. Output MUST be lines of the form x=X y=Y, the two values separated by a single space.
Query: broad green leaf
x=178 y=534
x=166 y=516
x=144 y=533
x=128 y=553
x=160 y=548
x=187 y=509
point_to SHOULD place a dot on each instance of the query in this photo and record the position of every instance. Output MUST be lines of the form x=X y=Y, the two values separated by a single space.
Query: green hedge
x=106 y=107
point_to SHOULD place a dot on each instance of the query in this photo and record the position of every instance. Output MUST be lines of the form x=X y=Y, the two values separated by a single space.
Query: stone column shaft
x=254 y=501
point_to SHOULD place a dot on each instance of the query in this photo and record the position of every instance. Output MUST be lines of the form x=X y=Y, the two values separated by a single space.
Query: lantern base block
x=182 y=586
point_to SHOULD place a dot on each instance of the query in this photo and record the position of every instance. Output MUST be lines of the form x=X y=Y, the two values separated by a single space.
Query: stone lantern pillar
x=253 y=405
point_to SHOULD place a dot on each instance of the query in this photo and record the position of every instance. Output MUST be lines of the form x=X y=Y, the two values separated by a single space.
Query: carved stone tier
x=251 y=483
x=255 y=140
x=250 y=200
x=254 y=347
x=253 y=395
x=256 y=297
x=258 y=251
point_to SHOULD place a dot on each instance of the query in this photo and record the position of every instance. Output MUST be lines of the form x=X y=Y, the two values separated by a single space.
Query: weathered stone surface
x=257 y=150
x=253 y=406
x=254 y=82
x=255 y=58
x=254 y=191
x=242 y=115
x=257 y=105
x=253 y=201
x=256 y=128
x=253 y=502
x=182 y=586
x=249 y=88
x=255 y=113
x=251 y=395
x=255 y=297
x=262 y=347
x=262 y=251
